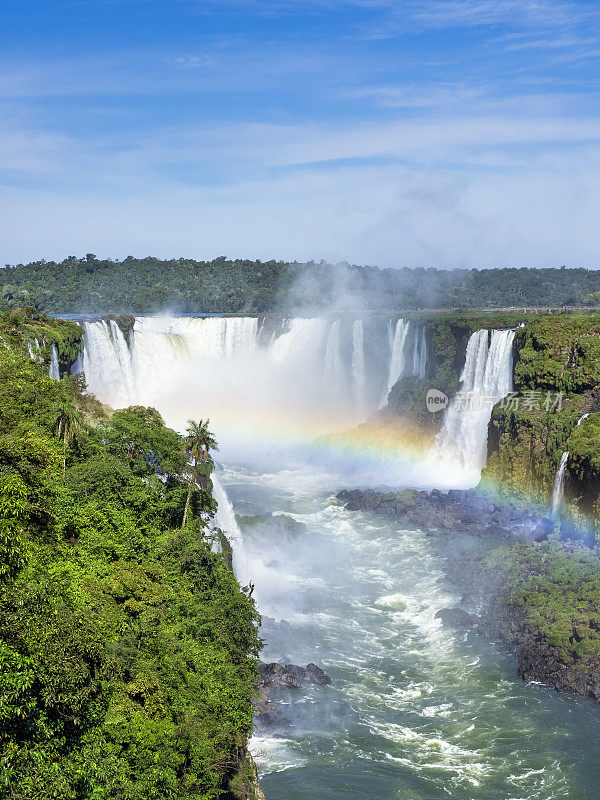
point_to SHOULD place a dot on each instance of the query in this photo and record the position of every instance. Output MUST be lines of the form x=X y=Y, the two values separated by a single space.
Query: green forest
x=128 y=652
x=140 y=285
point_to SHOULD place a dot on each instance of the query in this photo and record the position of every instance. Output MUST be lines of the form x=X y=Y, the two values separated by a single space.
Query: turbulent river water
x=415 y=711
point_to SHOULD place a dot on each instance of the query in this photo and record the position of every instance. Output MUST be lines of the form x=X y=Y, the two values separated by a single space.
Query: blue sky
x=429 y=132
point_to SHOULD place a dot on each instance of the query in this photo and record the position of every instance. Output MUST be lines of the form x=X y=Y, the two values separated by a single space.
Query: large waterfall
x=359 y=375
x=486 y=378
x=311 y=374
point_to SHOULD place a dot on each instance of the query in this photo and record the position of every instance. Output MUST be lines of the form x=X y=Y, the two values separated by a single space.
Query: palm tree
x=68 y=424
x=198 y=444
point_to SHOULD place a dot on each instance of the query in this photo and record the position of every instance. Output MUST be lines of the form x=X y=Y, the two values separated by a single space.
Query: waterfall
x=558 y=493
x=419 y=354
x=559 y=484
x=358 y=365
x=225 y=519
x=486 y=378
x=107 y=364
x=397 y=357
x=54 y=370
x=403 y=360
x=312 y=376
x=332 y=366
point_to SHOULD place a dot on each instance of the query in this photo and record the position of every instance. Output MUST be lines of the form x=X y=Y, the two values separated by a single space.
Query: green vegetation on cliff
x=559 y=591
x=90 y=284
x=27 y=331
x=559 y=353
x=526 y=439
x=127 y=650
x=525 y=446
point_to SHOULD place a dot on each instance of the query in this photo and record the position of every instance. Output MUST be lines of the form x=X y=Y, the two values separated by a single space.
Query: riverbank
x=541 y=602
x=538 y=598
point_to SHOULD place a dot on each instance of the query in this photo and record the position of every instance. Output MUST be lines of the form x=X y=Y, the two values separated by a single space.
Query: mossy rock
x=407 y=497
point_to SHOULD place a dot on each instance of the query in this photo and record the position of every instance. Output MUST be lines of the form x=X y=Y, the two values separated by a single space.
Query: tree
x=139 y=436
x=198 y=444
x=68 y=424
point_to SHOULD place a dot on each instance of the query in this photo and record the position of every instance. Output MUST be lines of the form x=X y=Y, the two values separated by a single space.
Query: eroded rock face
x=467 y=511
x=290 y=676
x=457 y=618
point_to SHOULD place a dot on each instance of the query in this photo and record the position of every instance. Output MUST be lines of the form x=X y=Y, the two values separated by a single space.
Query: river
x=415 y=710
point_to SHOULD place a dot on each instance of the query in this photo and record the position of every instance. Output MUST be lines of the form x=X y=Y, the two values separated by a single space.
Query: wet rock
x=278 y=525
x=282 y=675
x=456 y=618
x=470 y=511
x=290 y=676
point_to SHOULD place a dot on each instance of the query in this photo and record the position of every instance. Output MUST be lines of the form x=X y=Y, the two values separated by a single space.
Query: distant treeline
x=90 y=284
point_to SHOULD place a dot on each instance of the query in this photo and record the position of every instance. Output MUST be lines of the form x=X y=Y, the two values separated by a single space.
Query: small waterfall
x=486 y=378
x=558 y=493
x=358 y=365
x=397 y=358
x=403 y=360
x=559 y=485
x=419 y=354
x=225 y=519
x=54 y=370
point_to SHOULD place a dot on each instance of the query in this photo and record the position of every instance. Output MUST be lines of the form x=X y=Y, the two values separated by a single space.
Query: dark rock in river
x=289 y=676
x=279 y=675
x=457 y=618
x=469 y=511
x=280 y=525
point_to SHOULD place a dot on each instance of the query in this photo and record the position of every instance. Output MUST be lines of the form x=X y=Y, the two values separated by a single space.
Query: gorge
x=414 y=709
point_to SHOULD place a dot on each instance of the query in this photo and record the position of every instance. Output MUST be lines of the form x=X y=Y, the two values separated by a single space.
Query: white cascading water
x=559 y=485
x=486 y=378
x=333 y=369
x=107 y=364
x=226 y=521
x=398 y=357
x=558 y=493
x=332 y=373
x=359 y=376
x=54 y=370
x=420 y=354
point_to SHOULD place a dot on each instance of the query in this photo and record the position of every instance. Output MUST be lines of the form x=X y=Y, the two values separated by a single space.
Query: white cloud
x=544 y=212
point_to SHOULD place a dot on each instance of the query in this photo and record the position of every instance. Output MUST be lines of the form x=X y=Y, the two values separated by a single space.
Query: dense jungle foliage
x=90 y=284
x=127 y=650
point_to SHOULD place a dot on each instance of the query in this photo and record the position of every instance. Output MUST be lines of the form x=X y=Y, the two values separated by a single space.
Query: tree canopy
x=142 y=285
